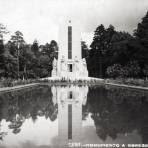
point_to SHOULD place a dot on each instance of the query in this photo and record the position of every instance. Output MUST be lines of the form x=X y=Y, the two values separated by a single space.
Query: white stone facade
x=70 y=64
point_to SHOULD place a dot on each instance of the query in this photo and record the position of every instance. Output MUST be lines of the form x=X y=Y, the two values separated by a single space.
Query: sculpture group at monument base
x=73 y=80
x=69 y=69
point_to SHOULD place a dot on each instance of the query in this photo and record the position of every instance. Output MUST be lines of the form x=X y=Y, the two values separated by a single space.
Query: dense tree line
x=119 y=54
x=19 y=60
x=112 y=54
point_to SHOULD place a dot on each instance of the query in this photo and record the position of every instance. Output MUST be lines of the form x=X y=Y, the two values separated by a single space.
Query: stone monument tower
x=70 y=63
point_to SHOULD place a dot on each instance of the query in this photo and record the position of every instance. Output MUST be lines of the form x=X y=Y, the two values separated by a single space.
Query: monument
x=70 y=64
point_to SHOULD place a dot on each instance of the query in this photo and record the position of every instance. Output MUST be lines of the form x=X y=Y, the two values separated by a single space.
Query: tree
x=3 y=31
x=145 y=71
x=98 y=40
x=54 y=49
x=1 y=58
x=141 y=35
x=100 y=46
x=53 y=46
x=84 y=49
x=50 y=49
x=10 y=62
x=44 y=55
x=120 y=51
x=35 y=47
x=27 y=59
x=18 y=39
x=43 y=68
x=142 y=31
x=2 y=50
x=19 y=42
x=46 y=49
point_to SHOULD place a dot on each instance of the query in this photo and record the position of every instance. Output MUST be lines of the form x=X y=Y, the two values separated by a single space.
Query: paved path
x=6 y=89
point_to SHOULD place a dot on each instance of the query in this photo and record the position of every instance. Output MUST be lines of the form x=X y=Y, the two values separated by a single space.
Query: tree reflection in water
x=114 y=110
x=118 y=111
x=17 y=106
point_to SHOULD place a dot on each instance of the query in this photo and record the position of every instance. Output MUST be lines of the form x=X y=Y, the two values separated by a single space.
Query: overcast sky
x=39 y=19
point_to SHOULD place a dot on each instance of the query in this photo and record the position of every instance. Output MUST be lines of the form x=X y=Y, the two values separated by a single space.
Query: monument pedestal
x=69 y=69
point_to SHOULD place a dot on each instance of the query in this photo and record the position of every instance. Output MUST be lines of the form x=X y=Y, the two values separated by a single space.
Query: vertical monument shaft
x=69 y=42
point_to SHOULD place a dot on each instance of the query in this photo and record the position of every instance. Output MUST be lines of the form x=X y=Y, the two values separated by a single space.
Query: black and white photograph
x=73 y=73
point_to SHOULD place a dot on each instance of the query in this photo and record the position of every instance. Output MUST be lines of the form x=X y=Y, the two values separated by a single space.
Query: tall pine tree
x=141 y=34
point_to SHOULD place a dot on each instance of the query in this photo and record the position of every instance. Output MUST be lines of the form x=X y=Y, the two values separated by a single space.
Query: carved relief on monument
x=63 y=64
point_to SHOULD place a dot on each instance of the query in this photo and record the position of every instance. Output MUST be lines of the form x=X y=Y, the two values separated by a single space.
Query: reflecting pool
x=59 y=116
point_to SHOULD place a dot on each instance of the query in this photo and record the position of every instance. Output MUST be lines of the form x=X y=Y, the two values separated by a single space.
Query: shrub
x=145 y=71
x=114 y=70
x=7 y=82
x=132 y=69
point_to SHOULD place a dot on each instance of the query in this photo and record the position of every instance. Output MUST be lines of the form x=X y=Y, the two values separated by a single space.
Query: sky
x=40 y=19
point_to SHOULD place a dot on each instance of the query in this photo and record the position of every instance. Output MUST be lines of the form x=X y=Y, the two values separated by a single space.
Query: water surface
x=52 y=117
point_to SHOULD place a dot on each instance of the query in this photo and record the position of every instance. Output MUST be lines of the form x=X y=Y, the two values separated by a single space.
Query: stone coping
x=7 y=89
x=18 y=87
x=98 y=81
x=127 y=86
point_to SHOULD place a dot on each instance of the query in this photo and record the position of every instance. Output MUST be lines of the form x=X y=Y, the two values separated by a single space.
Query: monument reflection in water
x=70 y=100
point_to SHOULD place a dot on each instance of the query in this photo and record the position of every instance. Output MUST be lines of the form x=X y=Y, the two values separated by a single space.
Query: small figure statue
x=54 y=65
x=76 y=64
x=84 y=62
x=63 y=64
x=85 y=72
